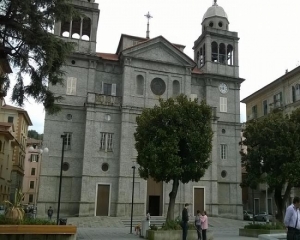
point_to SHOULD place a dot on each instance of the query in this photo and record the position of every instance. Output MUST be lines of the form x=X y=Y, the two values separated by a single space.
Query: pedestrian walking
x=292 y=220
x=185 y=221
x=198 y=224
x=50 y=213
x=148 y=217
x=204 y=224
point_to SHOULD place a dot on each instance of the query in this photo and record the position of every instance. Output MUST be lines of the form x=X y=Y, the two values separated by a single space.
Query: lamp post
x=133 y=167
x=60 y=176
x=267 y=214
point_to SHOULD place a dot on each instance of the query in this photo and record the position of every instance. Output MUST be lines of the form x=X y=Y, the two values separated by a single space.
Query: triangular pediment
x=159 y=50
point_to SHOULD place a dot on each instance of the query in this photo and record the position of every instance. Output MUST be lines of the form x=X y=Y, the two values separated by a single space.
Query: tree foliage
x=35 y=135
x=25 y=29
x=273 y=154
x=174 y=141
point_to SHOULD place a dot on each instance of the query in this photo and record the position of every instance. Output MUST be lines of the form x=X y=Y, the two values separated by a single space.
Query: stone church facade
x=103 y=95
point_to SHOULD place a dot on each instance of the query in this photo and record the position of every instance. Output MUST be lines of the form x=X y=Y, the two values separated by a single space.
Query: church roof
x=215 y=11
x=108 y=56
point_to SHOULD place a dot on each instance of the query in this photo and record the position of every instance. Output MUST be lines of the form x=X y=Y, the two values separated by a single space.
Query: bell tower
x=216 y=50
x=81 y=30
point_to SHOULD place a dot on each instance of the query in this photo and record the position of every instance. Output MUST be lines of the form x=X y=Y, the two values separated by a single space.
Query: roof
x=108 y=56
x=20 y=110
x=142 y=40
x=215 y=11
x=274 y=83
x=33 y=141
x=197 y=71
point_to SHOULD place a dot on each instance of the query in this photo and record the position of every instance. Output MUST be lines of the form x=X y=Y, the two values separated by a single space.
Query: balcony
x=101 y=99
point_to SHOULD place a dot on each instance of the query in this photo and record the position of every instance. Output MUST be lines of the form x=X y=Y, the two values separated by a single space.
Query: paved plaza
x=223 y=229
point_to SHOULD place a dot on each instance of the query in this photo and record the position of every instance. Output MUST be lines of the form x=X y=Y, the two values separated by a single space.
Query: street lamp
x=60 y=176
x=133 y=167
x=267 y=212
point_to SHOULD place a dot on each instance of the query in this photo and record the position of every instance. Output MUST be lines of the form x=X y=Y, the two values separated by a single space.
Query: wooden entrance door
x=154 y=197
x=102 y=206
x=198 y=200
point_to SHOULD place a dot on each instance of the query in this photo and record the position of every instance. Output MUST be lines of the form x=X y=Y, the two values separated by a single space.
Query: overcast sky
x=268 y=30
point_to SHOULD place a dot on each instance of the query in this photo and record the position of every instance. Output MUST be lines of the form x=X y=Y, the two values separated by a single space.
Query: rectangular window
x=270 y=207
x=31 y=185
x=30 y=198
x=278 y=99
x=223 y=104
x=265 y=107
x=254 y=111
x=106 y=141
x=10 y=119
x=32 y=171
x=34 y=158
x=109 y=89
x=71 y=86
x=67 y=141
x=256 y=206
x=223 y=151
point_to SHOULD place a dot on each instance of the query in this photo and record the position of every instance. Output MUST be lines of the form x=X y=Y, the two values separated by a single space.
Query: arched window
x=140 y=85
x=229 y=55
x=65 y=29
x=214 y=52
x=176 y=88
x=86 y=29
x=204 y=54
x=76 y=24
x=222 y=54
x=198 y=58
x=201 y=57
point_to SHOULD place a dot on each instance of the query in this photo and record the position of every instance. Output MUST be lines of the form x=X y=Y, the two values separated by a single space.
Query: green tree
x=25 y=35
x=35 y=135
x=273 y=154
x=174 y=141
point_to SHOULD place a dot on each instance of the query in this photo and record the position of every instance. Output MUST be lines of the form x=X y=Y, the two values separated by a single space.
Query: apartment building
x=283 y=93
x=20 y=119
x=32 y=171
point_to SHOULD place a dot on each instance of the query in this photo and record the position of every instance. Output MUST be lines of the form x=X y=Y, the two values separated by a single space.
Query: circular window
x=69 y=116
x=65 y=166
x=73 y=62
x=220 y=24
x=158 y=86
x=223 y=174
x=104 y=167
x=223 y=131
x=211 y=24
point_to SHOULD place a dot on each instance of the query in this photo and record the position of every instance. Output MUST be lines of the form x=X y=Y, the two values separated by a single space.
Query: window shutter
x=73 y=86
x=114 y=89
x=69 y=85
x=223 y=104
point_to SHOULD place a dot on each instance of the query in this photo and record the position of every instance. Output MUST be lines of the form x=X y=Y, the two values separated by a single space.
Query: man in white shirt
x=292 y=220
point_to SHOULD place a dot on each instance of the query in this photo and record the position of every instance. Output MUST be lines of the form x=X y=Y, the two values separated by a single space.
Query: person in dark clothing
x=185 y=220
x=50 y=213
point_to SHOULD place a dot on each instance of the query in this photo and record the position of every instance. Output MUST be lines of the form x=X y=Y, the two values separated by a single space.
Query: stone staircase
x=155 y=220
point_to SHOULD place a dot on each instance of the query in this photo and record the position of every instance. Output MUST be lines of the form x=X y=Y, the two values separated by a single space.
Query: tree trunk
x=172 y=195
x=281 y=200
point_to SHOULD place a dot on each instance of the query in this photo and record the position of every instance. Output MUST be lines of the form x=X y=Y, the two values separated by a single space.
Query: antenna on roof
x=148 y=31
